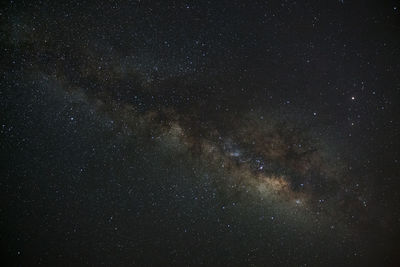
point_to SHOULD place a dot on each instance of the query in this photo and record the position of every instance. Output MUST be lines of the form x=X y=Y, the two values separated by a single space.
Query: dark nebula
x=200 y=133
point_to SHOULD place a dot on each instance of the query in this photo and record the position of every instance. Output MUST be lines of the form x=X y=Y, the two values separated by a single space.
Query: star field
x=185 y=133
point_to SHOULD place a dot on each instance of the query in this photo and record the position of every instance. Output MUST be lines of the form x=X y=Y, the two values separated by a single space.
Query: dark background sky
x=200 y=132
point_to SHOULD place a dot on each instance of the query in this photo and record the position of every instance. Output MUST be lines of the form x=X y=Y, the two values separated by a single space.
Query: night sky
x=186 y=133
